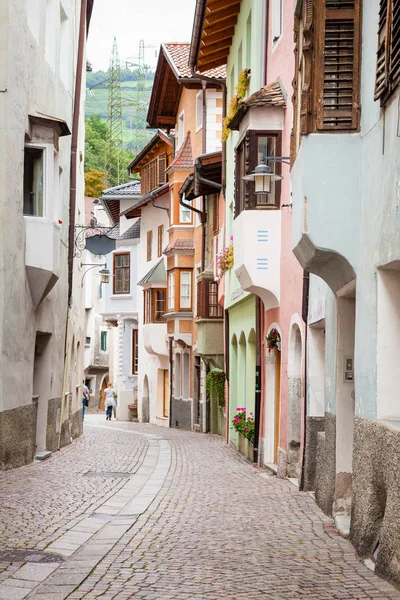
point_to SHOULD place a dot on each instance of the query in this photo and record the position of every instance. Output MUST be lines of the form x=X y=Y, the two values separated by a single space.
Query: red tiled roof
x=179 y=56
x=270 y=95
x=180 y=244
x=184 y=157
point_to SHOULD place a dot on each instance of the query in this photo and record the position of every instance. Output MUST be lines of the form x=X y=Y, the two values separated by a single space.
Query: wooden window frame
x=115 y=268
x=149 y=245
x=171 y=307
x=135 y=351
x=160 y=234
x=150 y=305
x=246 y=159
x=207 y=300
x=190 y=273
x=190 y=222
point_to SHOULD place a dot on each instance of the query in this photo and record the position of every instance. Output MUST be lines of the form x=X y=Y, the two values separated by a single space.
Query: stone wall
x=181 y=414
x=325 y=473
x=314 y=425
x=375 y=518
x=18 y=436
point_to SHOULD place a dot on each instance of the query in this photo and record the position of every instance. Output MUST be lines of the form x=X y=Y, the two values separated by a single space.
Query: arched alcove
x=294 y=401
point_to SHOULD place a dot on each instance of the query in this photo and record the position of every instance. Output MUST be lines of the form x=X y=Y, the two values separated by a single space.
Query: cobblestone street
x=133 y=511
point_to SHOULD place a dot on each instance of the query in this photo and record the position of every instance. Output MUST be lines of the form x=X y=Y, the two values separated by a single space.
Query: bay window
x=171 y=291
x=253 y=150
x=34 y=182
x=185 y=214
x=154 y=305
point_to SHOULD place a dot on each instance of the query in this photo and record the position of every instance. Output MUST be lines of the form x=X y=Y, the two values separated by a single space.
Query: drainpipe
x=74 y=144
x=204 y=136
x=304 y=314
x=257 y=403
x=171 y=371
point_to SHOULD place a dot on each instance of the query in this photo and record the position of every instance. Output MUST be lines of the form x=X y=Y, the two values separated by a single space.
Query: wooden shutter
x=162 y=165
x=338 y=65
x=382 y=55
x=394 y=69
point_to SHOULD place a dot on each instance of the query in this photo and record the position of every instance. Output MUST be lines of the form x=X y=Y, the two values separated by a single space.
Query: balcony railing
x=207 y=300
x=153 y=174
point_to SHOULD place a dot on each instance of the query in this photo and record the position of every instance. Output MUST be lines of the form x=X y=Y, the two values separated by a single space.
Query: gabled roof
x=172 y=74
x=130 y=234
x=160 y=136
x=111 y=198
x=184 y=157
x=270 y=95
x=132 y=188
x=157 y=274
x=213 y=30
x=134 y=211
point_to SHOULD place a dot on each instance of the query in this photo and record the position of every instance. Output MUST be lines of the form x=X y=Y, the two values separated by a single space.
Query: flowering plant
x=243 y=424
x=241 y=90
x=225 y=258
x=273 y=340
x=215 y=385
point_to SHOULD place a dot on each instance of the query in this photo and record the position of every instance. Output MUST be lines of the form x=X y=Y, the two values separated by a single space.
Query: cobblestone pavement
x=162 y=515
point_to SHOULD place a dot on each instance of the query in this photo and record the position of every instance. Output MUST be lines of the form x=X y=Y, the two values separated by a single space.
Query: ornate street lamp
x=104 y=272
x=263 y=175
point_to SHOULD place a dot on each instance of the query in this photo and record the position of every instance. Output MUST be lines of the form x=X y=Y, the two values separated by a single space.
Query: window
x=207 y=300
x=248 y=40
x=327 y=68
x=103 y=341
x=277 y=19
x=149 y=244
x=255 y=148
x=160 y=240
x=199 y=110
x=181 y=130
x=122 y=273
x=185 y=214
x=153 y=174
x=154 y=305
x=33 y=182
x=388 y=55
x=135 y=351
x=185 y=285
x=171 y=291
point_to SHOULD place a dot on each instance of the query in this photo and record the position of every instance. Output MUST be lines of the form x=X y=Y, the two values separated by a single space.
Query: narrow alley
x=134 y=511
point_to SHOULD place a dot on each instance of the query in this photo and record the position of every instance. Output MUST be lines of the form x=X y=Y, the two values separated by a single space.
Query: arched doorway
x=272 y=402
x=104 y=384
x=294 y=402
x=145 y=401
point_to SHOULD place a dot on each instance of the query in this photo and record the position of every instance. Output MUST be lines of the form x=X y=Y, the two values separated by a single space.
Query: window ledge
x=121 y=297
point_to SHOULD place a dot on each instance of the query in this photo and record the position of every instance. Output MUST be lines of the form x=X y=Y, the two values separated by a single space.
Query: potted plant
x=245 y=427
x=274 y=340
x=225 y=258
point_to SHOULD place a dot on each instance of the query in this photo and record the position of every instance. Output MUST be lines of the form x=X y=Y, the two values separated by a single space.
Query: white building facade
x=41 y=82
x=345 y=181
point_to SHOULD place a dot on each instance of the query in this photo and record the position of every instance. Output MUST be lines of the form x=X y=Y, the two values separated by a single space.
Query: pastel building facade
x=345 y=154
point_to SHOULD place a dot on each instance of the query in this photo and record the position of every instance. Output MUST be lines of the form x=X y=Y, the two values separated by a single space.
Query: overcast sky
x=154 y=21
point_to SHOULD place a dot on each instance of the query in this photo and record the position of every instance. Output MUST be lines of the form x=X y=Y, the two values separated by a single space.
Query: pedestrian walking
x=85 y=398
x=109 y=403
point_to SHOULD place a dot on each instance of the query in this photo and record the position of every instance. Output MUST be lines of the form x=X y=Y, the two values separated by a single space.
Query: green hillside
x=97 y=100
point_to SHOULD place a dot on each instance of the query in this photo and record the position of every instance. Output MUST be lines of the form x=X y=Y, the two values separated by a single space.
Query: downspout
x=74 y=144
x=257 y=402
x=171 y=370
x=304 y=314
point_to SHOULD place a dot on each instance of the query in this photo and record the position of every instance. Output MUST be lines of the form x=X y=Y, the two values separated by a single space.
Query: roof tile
x=179 y=55
x=184 y=157
x=180 y=244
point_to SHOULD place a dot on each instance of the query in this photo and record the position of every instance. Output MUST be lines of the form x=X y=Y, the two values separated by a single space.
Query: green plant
x=243 y=424
x=225 y=258
x=215 y=385
x=242 y=88
x=273 y=340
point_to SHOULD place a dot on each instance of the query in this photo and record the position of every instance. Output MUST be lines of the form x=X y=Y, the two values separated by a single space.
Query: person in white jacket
x=109 y=402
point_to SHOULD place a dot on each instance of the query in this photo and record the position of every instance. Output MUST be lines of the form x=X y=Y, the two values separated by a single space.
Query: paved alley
x=134 y=511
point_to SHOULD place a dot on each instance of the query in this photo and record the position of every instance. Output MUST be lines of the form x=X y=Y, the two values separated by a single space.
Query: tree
x=94 y=183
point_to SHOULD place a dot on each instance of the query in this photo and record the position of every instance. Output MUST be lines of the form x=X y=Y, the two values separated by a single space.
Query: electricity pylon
x=114 y=161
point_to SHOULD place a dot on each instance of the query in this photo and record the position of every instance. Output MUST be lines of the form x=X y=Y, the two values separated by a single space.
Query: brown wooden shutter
x=382 y=55
x=394 y=72
x=162 y=165
x=338 y=65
